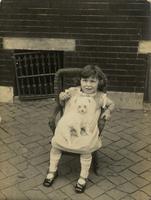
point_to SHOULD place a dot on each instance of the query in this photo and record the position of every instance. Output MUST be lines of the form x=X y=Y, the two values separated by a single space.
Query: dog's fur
x=77 y=122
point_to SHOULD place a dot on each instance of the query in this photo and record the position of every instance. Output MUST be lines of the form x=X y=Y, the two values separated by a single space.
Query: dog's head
x=82 y=109
x=82 y=104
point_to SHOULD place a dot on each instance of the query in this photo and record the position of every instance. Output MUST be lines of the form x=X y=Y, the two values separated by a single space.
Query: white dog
x=77 y=122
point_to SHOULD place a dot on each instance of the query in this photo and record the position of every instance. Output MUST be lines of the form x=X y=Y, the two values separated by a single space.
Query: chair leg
x=96 y=164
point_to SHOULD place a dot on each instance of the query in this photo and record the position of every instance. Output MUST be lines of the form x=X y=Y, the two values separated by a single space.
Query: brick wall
x=107 y=33
x=6 y=67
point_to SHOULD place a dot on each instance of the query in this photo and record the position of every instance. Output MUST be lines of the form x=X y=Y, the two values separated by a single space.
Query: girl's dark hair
x=95 y=72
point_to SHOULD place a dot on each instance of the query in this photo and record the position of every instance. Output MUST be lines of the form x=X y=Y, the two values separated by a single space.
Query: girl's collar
x=88 y=95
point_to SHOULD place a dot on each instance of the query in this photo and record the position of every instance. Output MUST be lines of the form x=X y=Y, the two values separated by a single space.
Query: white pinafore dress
x=83 y=143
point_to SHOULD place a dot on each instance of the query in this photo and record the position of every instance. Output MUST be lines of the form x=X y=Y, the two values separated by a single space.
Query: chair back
x=65 y=78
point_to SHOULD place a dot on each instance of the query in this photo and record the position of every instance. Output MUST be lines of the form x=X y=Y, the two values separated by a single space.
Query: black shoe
x=80 y=188
x=48 y=182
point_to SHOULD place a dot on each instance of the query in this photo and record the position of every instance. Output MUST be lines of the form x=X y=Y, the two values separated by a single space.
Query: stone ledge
x=127 y=100
x=53 y=44
x=6 y=94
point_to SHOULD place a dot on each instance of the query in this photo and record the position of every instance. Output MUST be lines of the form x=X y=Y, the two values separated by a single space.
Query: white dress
x=81 y=143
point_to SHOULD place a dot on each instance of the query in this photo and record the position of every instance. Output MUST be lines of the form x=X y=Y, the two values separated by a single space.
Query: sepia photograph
x=75 y=99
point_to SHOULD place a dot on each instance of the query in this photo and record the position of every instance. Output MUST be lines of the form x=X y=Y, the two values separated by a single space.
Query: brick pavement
x=125 y=158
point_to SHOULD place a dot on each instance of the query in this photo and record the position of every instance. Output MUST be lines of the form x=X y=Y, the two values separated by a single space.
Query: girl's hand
x=106 y=115
x=64 y=96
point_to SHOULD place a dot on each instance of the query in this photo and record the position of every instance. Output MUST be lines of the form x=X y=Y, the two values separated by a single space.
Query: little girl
x=92 y=86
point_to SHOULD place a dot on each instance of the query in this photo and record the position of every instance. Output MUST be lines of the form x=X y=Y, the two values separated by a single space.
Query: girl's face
x=89 y=85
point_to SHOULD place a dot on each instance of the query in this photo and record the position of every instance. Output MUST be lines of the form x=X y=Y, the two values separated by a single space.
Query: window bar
x=43 y=70
x=51 y=76
x=49 y=63
x=22 y=87
x=38 y=72
x=26 y=73
x=31 y=65
x=58 y=61
x=54 y=61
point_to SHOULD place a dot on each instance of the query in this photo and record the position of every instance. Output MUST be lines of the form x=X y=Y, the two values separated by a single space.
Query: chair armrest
x=52 y=119
x=101 y=125
x=101 y=122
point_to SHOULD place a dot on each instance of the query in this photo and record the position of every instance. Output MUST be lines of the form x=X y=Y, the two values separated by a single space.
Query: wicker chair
x=59 y=85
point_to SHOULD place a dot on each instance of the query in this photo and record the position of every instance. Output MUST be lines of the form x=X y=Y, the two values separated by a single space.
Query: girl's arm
x=64 y=96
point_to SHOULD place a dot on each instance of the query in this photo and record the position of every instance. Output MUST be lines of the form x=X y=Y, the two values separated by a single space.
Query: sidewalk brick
x=12 y=193
x=137 y=146
x=4 y=149
x=140 y=195
x=36 y=194
x=130 y=155
x=68 y=189
x=120 y=165
x=94 y=191
x=8 y=169
x=31 y=183
x=128 y=174
x=112 y=136
x=128 y=138
x=147 y=175
x=95 y=179
x=139 y=182
x=122 y=143
x=141 y=167
x=147 y=189
x=14 y=138
x=116 y=179
x=104 y=197
x=16 y=160
x=127 y=187
x=3 y=134
x=32 y=145
x=60 y=182
x=57 y=195
x=40 y=159
x=2 y=197
x=31 y=139
x=22 y=166
x=7 y=155
x=45 y=190
x=145 y=154
x=106 y=185
x=128 y=198
x=11 y=181
x=80 y=197
x=30 y=171
x=2 y=175
x=18 y=148
x=116 y=194
x=111 y=154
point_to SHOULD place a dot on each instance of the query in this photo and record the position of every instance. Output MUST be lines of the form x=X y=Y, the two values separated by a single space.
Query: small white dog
x=77 y=122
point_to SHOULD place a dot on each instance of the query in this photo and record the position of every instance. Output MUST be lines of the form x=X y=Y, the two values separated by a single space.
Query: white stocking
x=55 y=155
x=85 y=160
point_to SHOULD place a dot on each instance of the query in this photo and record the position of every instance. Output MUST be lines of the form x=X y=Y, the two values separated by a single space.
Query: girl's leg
x=55 y=155
x=85 y=160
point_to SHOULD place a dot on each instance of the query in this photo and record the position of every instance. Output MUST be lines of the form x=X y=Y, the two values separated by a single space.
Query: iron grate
x=35 y=71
